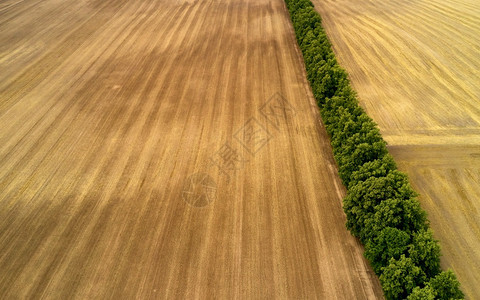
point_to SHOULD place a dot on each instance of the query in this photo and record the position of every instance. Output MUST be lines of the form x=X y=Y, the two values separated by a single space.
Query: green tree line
x=382 y=208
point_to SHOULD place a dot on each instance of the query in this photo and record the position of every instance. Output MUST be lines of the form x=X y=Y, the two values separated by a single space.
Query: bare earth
x=165 y=149
x=416 y=67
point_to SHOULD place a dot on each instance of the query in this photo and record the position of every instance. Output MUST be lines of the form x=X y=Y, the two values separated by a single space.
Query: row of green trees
x=381 y=207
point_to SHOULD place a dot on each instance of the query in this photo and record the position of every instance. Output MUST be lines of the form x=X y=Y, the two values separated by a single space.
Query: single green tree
x=425 y=252
x=404 y=214
x=362 y=198
x=389 y=243
x=400 y=277
x=446 y=286
x=427 y=293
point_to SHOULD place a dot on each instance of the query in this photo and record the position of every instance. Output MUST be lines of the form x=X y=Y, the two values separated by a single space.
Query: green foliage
x=446 y=286
x=389 y=243
x=380 y=205
x=425 y=252
x=362 y=152
x=337 y=108
x=332 y=78
x=341 y=121
x=400 y=277
x=375 y=168
x=422 y=294
x=362 y=198
x=362 y=128
x=403 y=214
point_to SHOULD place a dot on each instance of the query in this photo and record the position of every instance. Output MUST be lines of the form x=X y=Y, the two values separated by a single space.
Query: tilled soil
x=165 y=149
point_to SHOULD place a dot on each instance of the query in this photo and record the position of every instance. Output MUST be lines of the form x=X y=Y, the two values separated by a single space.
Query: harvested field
x=165 y=149
x=415 y=65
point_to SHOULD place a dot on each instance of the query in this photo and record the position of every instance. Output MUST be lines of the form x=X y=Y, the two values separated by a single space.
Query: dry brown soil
x=165 y=149
x=416 y=67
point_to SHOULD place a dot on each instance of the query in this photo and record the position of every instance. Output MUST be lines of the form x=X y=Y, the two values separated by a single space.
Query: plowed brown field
x=165 y=149
x=416 y=67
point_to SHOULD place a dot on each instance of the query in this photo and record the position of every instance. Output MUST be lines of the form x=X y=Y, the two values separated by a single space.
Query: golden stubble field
x=416 y=67
x=142 y=156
